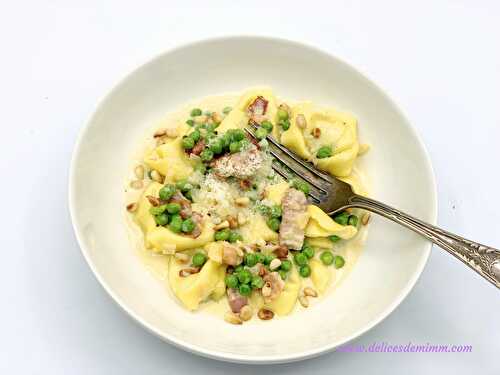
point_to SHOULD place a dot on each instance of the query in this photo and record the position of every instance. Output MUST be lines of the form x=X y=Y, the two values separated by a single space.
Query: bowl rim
x=225 y=356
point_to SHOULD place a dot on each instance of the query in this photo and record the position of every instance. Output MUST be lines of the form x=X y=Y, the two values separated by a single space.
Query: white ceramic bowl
x=397 y=164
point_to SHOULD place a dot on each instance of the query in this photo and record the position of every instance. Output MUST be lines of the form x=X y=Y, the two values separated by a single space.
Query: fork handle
x=482 y=259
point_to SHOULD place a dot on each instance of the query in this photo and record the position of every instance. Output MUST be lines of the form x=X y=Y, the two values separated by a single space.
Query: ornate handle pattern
x=482 y=259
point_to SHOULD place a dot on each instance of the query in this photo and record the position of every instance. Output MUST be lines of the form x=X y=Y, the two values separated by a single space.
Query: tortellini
x=161 y=239
x=337 y=130
x=193 y=289
x=322 y=225
x=321 y=275
x=170 y=160
x=238 y=117
x=256 y=230
x=285 y=302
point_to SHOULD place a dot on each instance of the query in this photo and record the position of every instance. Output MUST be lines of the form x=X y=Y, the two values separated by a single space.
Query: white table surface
x=439 y=59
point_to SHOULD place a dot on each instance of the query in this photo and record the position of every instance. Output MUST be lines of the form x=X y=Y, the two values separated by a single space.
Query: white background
x=440 y=60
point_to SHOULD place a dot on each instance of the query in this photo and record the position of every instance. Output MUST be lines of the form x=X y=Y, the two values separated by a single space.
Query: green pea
x=195 y=135
x=199 y=259
x=353 y=220
x=234 y=236
x=166 y=192
x=250 y=259
x=257 y=282
x=188 y=225
x=267 y=125
x=222 y=235
x=225 y=140
x=200 y=168
x=245 y=276
x=286 y=265
x=187 y=143
x=274 y=224
x=334 y=238
x=338 y=262
x=264 y=210
x=282 y=114
x=206 y=155
x=324 y=152
x=305 y=271
x=308 y=251
x=326 y=257
x=260 y=258
x=235 y=147
x=261 y=133
x=342 y=218
x=285 y=125
x=237 y=135
x=245 y=290
x=300 y=259
x=276 y=212
x=175 y=223
x=216 y=147
x=231 y=281
x=161 y=219
x=268 y=259
x=183 y=185
x=173 y=208
x=158 y=210
x=302 y=186
x=190 y=122
x=196 y=112
x=226 y=110
x=283 y=274
x=211 y=128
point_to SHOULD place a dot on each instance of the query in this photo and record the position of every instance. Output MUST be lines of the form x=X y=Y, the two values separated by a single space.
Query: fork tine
x=295 y=157
x=298 y=168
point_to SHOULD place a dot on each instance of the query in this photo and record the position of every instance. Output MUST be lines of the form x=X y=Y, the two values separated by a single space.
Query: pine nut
x=300 y=120
x=316 y=132
x=153 y=200
x=222 y=225
x=265 y=314
x=246 y=313
x=216 y=118
x=137 y=184
x=310 y=292
x=233 y=222
x=366 y=218
x=304 y=301
x=242 y=219
x=266 y=290
x=185 y=272
x=242 y=201
x=139 y=172
x=199 y=120
x=171 y=133
x=181 y=257
x=156 y=176
x=132 y=207
x=275 y=263
x=160 y=133
x=231 y=318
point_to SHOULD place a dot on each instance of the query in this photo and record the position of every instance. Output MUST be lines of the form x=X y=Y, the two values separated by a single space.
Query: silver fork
x=334 y=196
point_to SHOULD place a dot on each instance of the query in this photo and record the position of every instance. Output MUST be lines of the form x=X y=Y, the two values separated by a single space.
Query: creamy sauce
x=157 y=264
